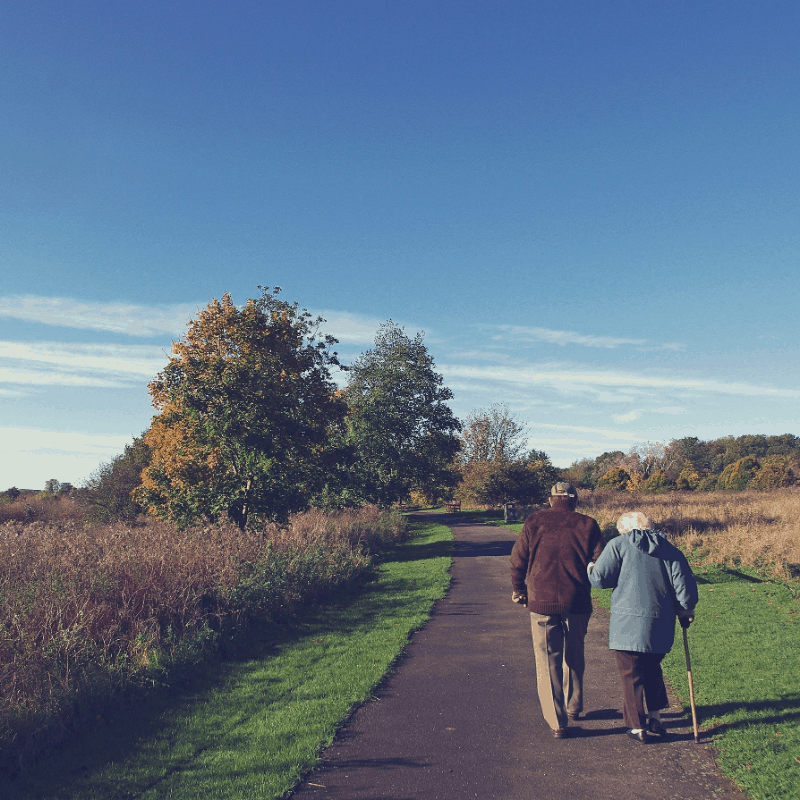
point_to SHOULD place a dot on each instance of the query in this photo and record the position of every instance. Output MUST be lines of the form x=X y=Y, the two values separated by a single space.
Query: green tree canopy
x=109 y=489
x=524 y=481
x=246 y=408
x=399 y=424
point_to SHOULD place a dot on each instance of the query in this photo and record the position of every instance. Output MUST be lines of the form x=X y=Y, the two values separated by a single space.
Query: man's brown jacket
x=549 y=561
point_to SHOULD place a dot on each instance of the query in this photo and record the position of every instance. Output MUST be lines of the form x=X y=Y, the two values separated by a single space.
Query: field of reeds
x=42 y=507
x=758 y=530
x=89 y=613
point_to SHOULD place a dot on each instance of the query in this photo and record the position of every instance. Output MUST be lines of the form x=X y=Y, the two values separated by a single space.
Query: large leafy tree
x=399 y=424
x=492 y=434
x=246 y=408
x=494 y=463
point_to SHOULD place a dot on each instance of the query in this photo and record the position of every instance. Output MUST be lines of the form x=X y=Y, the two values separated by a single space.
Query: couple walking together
x=557 y=558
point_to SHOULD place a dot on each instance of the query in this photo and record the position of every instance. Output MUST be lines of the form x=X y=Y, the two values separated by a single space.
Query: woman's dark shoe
x=655 y=726
x=639 y=736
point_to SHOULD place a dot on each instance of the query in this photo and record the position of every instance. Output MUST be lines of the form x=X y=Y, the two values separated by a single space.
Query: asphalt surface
x=459 y=716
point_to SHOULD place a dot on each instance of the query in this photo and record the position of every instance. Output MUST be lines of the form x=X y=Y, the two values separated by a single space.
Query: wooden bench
x=451 y=506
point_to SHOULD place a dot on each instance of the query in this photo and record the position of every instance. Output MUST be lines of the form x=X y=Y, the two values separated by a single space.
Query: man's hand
x=519 y=597
x=685 y=621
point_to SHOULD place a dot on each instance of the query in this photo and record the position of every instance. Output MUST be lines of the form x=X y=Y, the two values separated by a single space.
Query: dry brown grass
x=88 y=610
x=41 y=508
x=760 y=530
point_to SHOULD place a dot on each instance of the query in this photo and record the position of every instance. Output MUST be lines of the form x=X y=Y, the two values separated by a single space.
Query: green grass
x=254 y=726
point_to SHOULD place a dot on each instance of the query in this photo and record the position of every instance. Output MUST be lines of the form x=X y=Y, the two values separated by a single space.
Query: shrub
x=688 y=478
x=775 y=472
x=108 y=490
x=615 y=478
x=707 y=484
x=42 y=507
x=659 y=481
x=736 y=476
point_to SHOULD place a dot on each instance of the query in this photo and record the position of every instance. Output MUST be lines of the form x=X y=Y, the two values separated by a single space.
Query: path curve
x=459 y=717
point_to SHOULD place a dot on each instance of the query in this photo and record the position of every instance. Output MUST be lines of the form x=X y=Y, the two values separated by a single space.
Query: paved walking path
x=460 y=716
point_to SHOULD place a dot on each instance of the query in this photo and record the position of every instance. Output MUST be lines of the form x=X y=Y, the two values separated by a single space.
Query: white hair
x=633 y=521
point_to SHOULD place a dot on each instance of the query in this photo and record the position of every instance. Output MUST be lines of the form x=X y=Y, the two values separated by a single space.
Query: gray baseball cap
x=564 y=490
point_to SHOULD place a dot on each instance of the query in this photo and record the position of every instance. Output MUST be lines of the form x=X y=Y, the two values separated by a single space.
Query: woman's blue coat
x=652 y=581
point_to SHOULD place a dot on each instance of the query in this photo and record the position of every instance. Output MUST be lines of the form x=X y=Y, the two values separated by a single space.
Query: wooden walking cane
x=691 y=686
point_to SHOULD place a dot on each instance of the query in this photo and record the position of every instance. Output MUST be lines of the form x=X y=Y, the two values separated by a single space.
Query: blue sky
x=591 y=209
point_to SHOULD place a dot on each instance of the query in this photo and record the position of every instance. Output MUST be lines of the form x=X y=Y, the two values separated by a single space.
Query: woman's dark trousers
x=642 y=681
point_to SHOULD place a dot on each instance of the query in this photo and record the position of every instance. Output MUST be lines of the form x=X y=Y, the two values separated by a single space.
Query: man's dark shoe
x=560 y=733
x=639 y=736
x=655 y=726
x=573 y=717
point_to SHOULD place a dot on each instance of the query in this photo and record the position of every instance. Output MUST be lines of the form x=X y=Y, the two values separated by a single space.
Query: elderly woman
x=653 y=584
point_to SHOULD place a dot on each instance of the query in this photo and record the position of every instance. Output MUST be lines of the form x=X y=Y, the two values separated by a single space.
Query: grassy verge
x=253 y=727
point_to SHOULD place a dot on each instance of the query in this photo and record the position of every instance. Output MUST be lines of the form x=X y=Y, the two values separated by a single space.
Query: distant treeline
x=728 y=463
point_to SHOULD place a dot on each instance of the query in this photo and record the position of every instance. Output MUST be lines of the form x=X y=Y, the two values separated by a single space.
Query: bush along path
x=253 y=727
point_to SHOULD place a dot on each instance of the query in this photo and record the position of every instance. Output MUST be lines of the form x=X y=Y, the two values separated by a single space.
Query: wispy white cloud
x=563 y=451
x=574 y=378
x=137 y=359
x=607 y=433
x=629 y=417
x=27 y=440
x=155 y=320
x=51 y=377
x=351 y=328
x=564 y=337
x=566 y=443
x=521 y=333
x=127 y=318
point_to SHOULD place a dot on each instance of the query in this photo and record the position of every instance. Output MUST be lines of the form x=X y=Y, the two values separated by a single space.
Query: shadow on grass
x=416 y=552
x=720 y=575
x=466 y=517
x=765 y=712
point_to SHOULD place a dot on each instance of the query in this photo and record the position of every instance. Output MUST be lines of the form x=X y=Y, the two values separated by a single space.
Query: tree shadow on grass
x=417 y=552
x=499 y=547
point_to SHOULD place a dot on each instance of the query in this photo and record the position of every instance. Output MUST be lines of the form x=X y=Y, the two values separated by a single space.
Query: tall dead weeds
x=87 y=611
x=759 y=530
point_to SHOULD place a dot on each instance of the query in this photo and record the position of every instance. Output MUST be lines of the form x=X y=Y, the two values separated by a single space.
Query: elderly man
x=548 y=575
x=652 y=584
